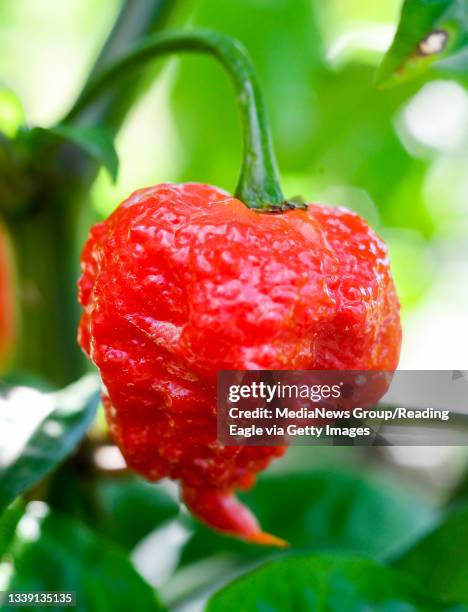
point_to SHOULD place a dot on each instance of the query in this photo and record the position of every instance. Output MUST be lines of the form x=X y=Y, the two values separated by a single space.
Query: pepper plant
x=81 y=541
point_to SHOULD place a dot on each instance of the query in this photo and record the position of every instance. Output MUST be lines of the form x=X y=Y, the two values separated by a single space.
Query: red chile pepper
x=184 y=280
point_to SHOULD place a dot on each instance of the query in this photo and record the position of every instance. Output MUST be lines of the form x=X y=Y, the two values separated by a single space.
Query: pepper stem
x=258 y=186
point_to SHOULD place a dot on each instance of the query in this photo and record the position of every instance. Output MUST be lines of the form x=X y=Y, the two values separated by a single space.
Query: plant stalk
x=259 y=185
x=47 y=218
x=45 y=250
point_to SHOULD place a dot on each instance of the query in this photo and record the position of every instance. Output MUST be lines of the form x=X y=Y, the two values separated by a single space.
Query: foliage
x=51 y=550
x=443 y=568
x=333 y=511
x=323 y=583
x=357 y=541
x=428 y=32
x=95 y=141
x=53 y=439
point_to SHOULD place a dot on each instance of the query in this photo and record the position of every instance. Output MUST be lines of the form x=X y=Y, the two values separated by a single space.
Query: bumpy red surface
x=184 y=280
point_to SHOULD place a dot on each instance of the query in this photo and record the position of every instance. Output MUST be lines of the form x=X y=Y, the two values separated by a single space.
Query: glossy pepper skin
x=184 y=280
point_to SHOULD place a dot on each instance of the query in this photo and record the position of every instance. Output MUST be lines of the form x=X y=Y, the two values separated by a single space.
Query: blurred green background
x=399 y=157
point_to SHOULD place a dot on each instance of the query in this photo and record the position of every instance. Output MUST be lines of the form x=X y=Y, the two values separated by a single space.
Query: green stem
x=46 y=252
x=43 y=196
x=258 y=186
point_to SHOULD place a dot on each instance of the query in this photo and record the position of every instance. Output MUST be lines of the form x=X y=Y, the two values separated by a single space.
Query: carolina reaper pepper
x=184 y=280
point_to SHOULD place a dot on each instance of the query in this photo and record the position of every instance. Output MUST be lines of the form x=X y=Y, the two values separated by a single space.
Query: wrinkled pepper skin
x=184 y=280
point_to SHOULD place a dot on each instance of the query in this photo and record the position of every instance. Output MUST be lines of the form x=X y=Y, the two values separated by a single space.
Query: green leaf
x=440 y=560
x=323 y=511
x=8 y=523
x=97 y=141
x=94 y=140
x=52 y=552
x=132 y=508
x=429 y=31
x=124 y=509
x=52 y=440
x=302 y=584
x=11 y=112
